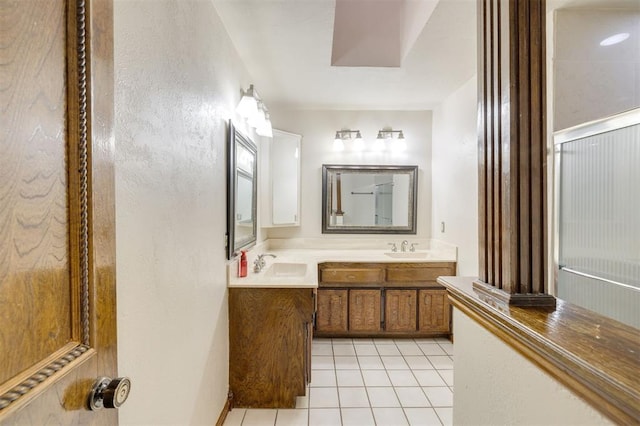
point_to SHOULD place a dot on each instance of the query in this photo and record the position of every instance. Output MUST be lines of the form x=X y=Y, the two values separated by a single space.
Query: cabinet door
x=364 y=310
x=434 y=310
x=332 y=311
x=400 y=310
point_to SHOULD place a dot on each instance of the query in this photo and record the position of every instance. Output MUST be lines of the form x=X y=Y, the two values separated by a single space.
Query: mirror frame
x=411 y=228
x=238 y=139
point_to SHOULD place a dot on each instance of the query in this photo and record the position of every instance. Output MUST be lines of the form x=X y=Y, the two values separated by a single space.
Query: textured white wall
x=455 y=175
x=318 y=129
x=495 y=385
x=178 y=80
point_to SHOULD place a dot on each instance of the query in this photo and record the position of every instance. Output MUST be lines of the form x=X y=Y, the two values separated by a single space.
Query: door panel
x=400 y=310
x=364 y=310
x=57 y=252
x=434 y=311
x=332 y=311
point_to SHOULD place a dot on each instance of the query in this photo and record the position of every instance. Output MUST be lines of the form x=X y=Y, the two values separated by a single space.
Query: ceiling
x=423 y=50
x=288 y=48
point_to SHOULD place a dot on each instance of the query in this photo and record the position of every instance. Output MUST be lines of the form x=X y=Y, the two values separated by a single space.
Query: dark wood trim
x=594 y=357
x=512 y=149
x=228 y=406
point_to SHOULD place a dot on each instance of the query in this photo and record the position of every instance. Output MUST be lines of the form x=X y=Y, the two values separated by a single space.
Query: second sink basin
x=286 y=269
x=408 y=255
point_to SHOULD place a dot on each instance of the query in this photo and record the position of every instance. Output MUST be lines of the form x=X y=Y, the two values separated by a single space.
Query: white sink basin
x=283 y=269
x=408 y=255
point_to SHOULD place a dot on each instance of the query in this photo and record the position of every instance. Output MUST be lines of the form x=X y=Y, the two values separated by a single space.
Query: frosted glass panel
x=599 y=221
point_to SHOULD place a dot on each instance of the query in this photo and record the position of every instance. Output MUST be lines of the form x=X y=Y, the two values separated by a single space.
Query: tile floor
x=383 y=382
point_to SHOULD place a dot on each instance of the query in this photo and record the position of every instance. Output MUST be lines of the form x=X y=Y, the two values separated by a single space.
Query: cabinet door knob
x=109 y=393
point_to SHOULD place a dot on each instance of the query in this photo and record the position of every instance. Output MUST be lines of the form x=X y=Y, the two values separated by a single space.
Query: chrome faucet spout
x=260 y=263
x=403 y=246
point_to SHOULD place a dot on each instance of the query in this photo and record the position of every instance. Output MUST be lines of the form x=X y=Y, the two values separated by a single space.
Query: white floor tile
x=402 y=378
x=323 y=398
x=324 y=417
x=259 y=417
x=366 y=350
x=448 y=347
x=322 y=350
x=321 y=341
x=353 y=397
x=439 y=396
x=370 y=363
x=418 y=362
x=342 y=341
x=234 y=417
x=387 y=350
x=383 y=341
x=346 y=362
x=431 y=349
x=349 y=378
x=303 y=401
x=447 y=376
x=409 y=348
x=389 y=417
x=429 y=377
x=441 y=362
x=394 y=363
x=422 y=417
x=424 y=340
x=357 y=417
x=446 y=415
x=340 y=350
x=293 y=417
x=382 y=397
x=322 y=362
x=375 y=378
x=323 y=378
x=412 y=397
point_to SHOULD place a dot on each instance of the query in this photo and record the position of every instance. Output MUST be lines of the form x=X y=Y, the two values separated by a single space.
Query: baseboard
x=228 y=405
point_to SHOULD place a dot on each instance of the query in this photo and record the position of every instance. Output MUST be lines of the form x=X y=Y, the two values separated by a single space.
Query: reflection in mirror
x=369 y=199
x=241 y=195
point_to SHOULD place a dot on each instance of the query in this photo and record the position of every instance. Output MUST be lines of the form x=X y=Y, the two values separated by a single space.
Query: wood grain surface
x=364 y=310
x=268 y=345
x=595 y=357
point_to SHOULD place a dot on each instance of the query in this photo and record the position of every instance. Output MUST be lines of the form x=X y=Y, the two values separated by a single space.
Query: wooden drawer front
x=417 y=274
x=352 y=275
x=400 y=310
x=364 y=310
x=332 y=310
x=434 y=310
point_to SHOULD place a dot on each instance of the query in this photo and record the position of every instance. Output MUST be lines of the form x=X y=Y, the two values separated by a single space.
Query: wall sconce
x=252 y=109
x=399 y=143
x=343 y=135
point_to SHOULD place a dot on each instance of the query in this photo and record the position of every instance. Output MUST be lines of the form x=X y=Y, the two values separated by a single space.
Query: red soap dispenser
x=242 y=264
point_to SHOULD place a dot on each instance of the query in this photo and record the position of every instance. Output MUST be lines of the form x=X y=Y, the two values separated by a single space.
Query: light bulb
x=358 y=143
x=248 y=105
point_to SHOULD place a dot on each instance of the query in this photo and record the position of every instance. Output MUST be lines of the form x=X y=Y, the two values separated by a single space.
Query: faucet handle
x=413 y=248
x=393 y=247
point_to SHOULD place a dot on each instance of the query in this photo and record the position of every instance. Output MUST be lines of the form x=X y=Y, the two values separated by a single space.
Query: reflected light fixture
x=614 y=39
x=252 y=109
x=344 y=135
x=398 y=144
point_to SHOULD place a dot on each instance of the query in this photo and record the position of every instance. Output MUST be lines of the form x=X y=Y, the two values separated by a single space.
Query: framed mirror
x=241 y=192
x=369 y=199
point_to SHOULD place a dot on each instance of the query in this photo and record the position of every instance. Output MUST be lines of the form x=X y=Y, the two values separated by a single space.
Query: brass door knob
x=109 y=393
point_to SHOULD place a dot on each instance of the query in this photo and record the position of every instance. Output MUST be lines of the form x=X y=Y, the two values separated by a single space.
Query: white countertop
x=311 y=257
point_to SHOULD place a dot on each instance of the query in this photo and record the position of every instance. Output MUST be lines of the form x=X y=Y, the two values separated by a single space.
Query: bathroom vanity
x=383 y=299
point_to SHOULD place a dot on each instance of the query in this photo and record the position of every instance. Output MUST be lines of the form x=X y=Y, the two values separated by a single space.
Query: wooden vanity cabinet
x=378 y=299
x=269 y=345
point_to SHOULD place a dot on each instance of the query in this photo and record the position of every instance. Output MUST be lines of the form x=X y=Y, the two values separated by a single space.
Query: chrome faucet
x=260 y=263
x=393 y=247
x=403 y=246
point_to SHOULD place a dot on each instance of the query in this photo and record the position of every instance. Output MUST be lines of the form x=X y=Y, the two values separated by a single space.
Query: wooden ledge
x=595 y=357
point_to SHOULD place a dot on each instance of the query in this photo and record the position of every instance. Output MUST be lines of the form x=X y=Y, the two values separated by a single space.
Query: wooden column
x=512 y=151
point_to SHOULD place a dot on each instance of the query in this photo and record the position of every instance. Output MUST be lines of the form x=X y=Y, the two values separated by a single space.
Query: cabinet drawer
x=352 y=275
x=398 y=274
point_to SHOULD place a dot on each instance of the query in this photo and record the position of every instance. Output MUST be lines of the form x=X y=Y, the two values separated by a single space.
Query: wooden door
x=400 y=310
x=434 y=311
x=57 y=247
x=332 y=311
x=364 y=310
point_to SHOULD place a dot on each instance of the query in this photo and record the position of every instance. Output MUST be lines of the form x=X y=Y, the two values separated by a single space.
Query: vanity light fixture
x=397 y=144
x=255 y=112
x=345 y=134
